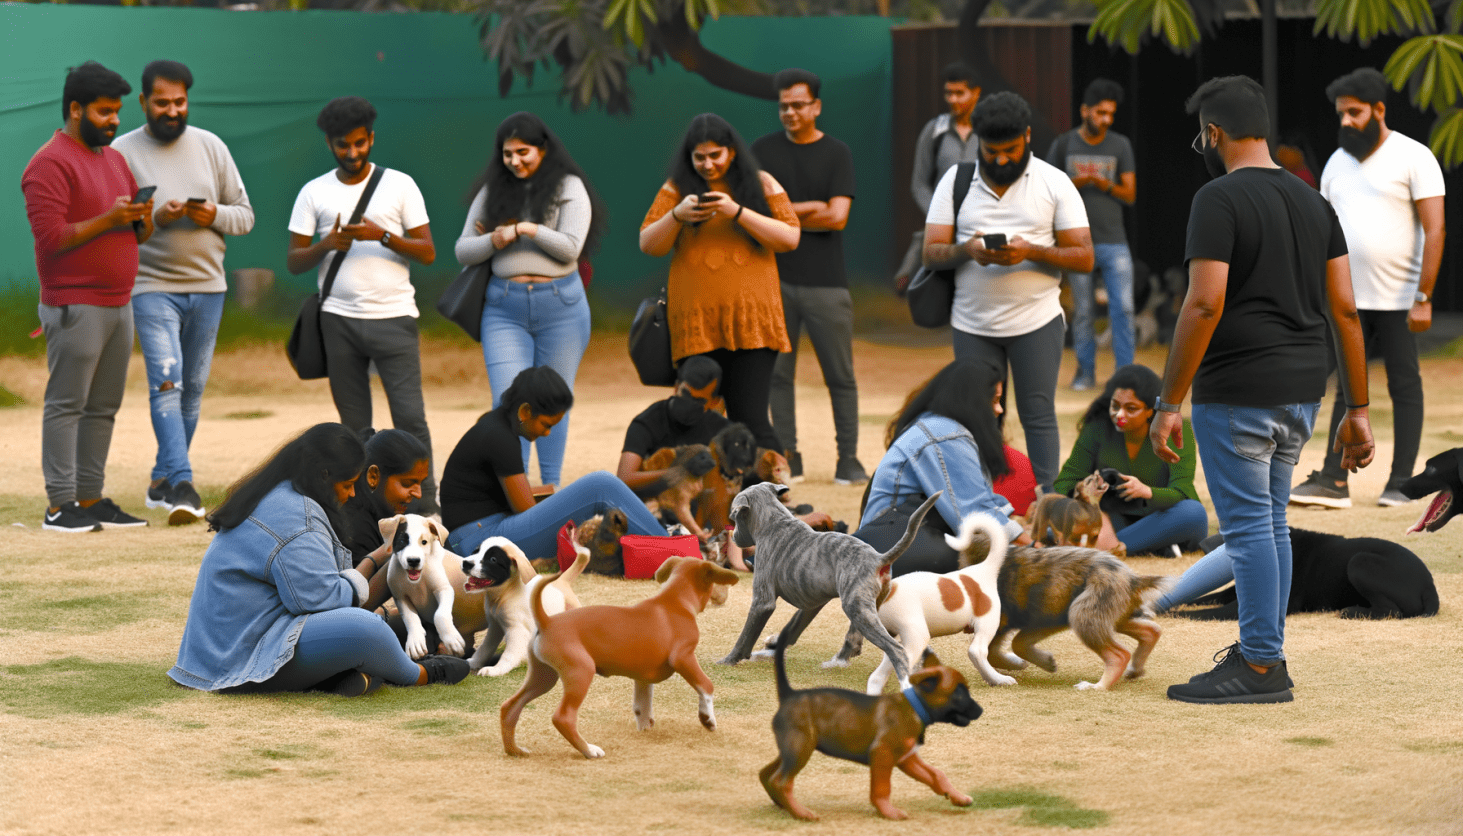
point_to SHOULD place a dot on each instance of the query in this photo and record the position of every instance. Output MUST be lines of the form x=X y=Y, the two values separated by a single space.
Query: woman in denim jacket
x=276 y=606
x=945 y=438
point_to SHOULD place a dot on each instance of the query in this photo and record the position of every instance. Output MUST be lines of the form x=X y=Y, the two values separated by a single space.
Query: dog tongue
x=474 y=584
x=1435 y=509
x=414 y=576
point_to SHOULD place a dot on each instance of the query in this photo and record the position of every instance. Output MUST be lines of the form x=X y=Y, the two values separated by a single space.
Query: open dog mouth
x=413 y=575
x=475 y=584
x=1434 y=516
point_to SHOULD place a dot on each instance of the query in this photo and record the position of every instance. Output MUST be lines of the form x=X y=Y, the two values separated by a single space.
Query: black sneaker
x=69 y=519
x=849 y=472
x=1322 y=491
x=106 y=512
x=356 y=684
x=448 y=669
x=794 y=466
x=158 y=497
x=184 y=504
x=1233 y=681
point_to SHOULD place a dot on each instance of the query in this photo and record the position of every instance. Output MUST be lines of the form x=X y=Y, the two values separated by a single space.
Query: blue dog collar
x=918 y=705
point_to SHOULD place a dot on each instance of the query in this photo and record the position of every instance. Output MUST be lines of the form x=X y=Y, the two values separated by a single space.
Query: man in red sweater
x=79 y=196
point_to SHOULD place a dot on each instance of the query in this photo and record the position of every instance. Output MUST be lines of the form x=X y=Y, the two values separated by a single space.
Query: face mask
x=685 y=410
x=1360 y=143
x=1005 y=175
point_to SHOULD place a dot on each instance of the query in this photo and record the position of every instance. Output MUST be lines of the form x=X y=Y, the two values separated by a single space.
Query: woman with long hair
x=534 y=215
x=1154 y=507
x=276 y=605
x=485 y=492
x=946 y=438
x=397 y=463
x=722 y=220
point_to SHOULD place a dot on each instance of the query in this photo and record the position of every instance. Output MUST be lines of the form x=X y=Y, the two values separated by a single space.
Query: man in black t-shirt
x=1267 y=262
x=688 y=416
x=817 y=172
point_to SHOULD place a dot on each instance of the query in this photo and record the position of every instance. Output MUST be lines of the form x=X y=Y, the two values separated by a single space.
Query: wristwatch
x=386 y=240
x=1419 y=297
x=1163 y=406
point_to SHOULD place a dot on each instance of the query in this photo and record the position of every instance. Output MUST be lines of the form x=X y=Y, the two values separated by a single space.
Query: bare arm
x=520 y=494
x=1203 y=305
x=658 y=238
x=414 y=244
x=305 y=253
x=1126 y=189
x=820 y=215
x=941 y=252
x=1073 y=251
x=1434 y=231
x=1354 y=435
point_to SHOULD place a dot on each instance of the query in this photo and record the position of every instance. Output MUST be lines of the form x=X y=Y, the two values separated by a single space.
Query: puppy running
x=419 y=583
x=808 y=569
x=881 y=732
x=646 y=642
x=496 y=581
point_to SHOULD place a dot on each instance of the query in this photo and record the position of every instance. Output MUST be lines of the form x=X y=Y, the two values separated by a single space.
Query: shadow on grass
x=78 y=686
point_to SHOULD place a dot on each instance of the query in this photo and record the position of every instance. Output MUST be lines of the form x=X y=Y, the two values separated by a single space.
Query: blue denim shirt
x=258 y=583
x=936 y=453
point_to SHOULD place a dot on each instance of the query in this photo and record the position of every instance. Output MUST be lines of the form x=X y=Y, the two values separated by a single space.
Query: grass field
x=95 y=739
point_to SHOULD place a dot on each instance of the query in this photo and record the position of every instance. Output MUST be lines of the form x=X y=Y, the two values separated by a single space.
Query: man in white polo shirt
x=1387 y=189
x=1006 y=311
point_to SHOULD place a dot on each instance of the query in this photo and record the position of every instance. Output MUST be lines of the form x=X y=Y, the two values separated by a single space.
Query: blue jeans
x=1115 y=262
x=536 y=530
x=336 y=641
x=1249 y=453
x=536 y=325
x=1182 y=522
x=1208 y=574
x=177 y=332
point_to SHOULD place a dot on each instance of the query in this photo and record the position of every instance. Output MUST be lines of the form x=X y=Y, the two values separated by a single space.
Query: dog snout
x=413 y=563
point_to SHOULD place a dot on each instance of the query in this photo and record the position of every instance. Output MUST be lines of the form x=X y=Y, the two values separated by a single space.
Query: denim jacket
x=258 y=583
x=936 y=453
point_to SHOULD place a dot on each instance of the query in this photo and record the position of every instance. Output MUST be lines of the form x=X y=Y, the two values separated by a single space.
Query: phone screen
x=144 y=194
x=994 y=241
x=706 y=197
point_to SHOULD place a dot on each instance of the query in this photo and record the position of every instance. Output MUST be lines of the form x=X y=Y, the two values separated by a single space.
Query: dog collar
x=918 y=705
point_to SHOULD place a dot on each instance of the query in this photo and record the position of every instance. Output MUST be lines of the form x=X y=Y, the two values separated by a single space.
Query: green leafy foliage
x=1432 y=65
x=1366 y=19
x=1128 y=23
x=1446 y=138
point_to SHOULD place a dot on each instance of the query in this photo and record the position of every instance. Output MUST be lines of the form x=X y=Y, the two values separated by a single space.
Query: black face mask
x=1360 y=143
x=685 y=410
x=1005 y=175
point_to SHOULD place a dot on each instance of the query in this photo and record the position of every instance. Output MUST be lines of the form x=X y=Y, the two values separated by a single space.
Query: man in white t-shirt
x=371 y=313
x=1387 y=189
x=1006 y=311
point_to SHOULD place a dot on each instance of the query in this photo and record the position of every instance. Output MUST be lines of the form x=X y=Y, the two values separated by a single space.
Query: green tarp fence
x=261 y=78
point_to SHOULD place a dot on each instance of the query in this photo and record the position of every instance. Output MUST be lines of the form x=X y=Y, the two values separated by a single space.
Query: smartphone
x=707 y=197
x=994 y=241
x=197 y=200
x=144 y=194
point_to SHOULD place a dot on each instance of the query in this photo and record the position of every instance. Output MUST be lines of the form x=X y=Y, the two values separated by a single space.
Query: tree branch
x=683 y=44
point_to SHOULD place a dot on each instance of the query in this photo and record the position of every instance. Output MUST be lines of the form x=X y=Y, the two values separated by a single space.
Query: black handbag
x=462 y=302
x=931 y=292
x=650 y=343
x=306 y=345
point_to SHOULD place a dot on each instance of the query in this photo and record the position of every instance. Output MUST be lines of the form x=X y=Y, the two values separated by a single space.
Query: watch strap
x=1164 y=406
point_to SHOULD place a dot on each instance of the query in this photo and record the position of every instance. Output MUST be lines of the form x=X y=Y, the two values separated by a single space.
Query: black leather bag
x=650 y=343
x=462 y=302
x=306 y=345
x=931 y=292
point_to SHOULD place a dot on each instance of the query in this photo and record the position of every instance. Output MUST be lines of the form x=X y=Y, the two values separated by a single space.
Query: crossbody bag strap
x=356 y=216
x=964 y=174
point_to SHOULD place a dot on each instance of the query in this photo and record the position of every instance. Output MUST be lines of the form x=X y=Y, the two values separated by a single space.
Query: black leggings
x=928 y=553
x=746 y=385
x=1385 y=333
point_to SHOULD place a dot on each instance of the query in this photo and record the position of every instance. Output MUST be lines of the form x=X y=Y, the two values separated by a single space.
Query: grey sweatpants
x=87 y=349
x=827 y=313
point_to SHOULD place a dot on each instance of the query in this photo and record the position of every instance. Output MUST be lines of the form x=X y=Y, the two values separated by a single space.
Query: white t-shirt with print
x=995 y=300
x=1374 y=200
x=373 y=282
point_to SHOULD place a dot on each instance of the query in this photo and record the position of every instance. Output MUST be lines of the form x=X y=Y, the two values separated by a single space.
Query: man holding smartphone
x=179 y=296
x=79 y=197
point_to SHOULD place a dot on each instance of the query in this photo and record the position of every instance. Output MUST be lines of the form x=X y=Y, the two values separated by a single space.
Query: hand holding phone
x=707 y=197
x=994 y=240
x=197 y=200
x=144 y=194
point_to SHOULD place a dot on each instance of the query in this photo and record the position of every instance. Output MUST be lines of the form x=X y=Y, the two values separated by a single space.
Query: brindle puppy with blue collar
x=881 y=732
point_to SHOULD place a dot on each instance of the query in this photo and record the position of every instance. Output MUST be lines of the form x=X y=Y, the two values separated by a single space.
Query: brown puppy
x=646 y=642
x=881 y=732
x=601 y=534
x=735 y=451
x=678 y=497
x=1073 y=522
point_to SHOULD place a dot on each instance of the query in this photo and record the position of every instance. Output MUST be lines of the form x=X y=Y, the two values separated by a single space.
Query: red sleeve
x=47 y=197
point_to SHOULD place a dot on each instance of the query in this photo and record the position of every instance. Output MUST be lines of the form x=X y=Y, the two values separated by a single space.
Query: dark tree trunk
x=992 y=79
x=683 y=44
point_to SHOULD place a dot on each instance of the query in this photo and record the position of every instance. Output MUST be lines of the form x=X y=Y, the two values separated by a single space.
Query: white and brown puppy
x=418 y=581
x=496 y=581
x=920 y=605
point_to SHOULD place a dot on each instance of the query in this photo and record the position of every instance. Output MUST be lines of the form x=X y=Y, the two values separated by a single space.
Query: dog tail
x=536 y=597
x=995 y=535
x=581 y=560
x=915 y=520
x=1151 y=587
x=784 y=688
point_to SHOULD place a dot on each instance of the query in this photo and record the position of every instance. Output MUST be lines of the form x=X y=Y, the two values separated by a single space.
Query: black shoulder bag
x=931 y=292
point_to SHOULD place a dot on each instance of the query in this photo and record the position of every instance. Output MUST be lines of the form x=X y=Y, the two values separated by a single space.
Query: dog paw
x=416 y=649
x=708 y=720
x=454 y=644
x=592 y=751
x=1000 y=679
x=644 y=723
x=1089 y=686
x=760 y=655
x=836 y=663
x=1132 y=673
x=959 y=799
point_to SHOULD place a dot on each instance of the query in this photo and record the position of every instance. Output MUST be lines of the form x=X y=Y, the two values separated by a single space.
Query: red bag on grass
x=644 y=553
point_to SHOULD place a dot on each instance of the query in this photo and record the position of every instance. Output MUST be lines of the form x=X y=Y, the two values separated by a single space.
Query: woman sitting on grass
x=485 y=492
x=276 y=605
x=397 y=463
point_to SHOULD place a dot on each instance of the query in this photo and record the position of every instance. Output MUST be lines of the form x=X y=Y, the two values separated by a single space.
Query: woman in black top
x=397 y=463
x=485 y=492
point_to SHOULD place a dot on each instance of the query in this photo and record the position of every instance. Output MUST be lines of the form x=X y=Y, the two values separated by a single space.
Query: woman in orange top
x=722 y=220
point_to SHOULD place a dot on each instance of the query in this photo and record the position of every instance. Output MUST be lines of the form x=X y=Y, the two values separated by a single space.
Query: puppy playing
x=695 y=460
x=735 y=452
x=924 y=604
x=808 y=569
x=646 y=642
x=1073 y=522
x=419 y=583
x=881 y=732
x=496 y=581
x=601 y=534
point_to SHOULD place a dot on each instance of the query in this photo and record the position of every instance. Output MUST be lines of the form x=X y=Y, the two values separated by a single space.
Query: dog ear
x=721 y=575
x=436 y=531
x=929 y=659
x=926 y=681
x=667 y=568
x=741 y=535
x=388 y=526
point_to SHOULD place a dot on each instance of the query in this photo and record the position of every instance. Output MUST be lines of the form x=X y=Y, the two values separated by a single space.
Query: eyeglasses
x=781 y=106
x=1198 y=143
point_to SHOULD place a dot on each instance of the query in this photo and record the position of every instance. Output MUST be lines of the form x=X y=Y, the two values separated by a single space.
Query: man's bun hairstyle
x=1102 y=90
x=1001 y=117
x=1236 y=103
x=89 y=82
x=345 y=114
x=1363 y=83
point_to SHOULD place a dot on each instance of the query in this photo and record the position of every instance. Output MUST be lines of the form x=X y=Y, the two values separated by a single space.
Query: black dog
x=1443 y=475
x=1363 y=577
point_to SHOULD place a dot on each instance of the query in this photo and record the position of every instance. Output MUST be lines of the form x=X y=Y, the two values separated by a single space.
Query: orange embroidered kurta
x=723 y=290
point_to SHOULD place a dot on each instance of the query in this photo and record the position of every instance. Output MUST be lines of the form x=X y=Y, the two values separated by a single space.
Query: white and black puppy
x=419 y=583
x=496 y=581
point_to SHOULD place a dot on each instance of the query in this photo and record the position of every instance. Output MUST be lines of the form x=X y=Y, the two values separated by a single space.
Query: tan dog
x=418 y=581
x=880 y=731
x=646 y=642
x=1073 y=522
x=677 y=498
x=495 y=583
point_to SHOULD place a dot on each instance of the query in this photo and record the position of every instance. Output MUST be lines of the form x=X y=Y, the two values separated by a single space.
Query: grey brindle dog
x=807 y=569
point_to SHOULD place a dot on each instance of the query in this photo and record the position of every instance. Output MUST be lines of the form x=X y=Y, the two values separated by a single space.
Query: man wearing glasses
x=817 y=171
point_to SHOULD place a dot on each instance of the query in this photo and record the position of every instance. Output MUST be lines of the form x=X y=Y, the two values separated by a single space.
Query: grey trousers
x=827 y=313
x=87 y=349
x=350 y=346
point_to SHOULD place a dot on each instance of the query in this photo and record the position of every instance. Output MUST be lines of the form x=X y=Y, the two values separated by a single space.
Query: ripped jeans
x=177 y=333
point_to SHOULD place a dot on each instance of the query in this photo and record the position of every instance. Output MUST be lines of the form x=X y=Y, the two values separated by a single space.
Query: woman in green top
x=1154 y=507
